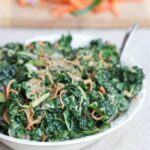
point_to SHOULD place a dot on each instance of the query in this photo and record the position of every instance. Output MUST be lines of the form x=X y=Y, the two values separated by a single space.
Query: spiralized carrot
x=58 y=88
x=102 y=89
x=104 y=7
x=6 y=117
x=89 y=81
x=30 y=117
x=31 y=125
x=62 y=10
x=8 y=88
x=60 y=98
x=78 y=4
x=95 y=117
x=114 y=7
x=68 y=6
x=30 y=114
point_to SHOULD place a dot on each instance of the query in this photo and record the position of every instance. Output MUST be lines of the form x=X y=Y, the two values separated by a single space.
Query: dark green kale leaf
x=7 y=72
x=18 y=131
x=63 y=46
x=61 y=77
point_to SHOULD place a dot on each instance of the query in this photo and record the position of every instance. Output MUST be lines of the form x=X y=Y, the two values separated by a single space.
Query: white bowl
x=20 y=144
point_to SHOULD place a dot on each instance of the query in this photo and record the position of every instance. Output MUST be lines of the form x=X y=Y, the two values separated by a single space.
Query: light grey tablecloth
x=136 y=134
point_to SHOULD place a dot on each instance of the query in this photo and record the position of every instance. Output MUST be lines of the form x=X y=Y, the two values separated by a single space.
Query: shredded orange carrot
x=31 y=125
x=8 y=88
x=30 y=114
x=114 y=7
x=95 y=117
x=102 y=89
x=63 y=7
x=62 y=10
x=104 y=7
x=13 y=91
x=78 y=4
x=30 y=117
x=6 y=117
x=60 y=98
x=55 y=93
x=59 y=87
x=89 y=81
x=88 y=2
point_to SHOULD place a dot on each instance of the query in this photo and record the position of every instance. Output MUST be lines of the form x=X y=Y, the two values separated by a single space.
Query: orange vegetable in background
x=63 y=7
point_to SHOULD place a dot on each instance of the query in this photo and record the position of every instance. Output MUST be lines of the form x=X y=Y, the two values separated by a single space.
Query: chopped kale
x=53 y=92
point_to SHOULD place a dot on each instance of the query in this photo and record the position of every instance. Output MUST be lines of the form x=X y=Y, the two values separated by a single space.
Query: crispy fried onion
x=89 y=81
x=104 y=62
x=95 y=117
x=30 y=117
x=9 y=90
x=6 y=117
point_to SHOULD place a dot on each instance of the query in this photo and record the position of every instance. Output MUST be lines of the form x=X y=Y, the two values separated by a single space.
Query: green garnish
x=87 y=9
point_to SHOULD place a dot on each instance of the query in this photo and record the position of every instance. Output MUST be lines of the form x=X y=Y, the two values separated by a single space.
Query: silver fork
x=127 y=38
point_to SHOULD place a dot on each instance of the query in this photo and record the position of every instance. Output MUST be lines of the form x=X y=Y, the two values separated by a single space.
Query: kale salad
x=54 y=92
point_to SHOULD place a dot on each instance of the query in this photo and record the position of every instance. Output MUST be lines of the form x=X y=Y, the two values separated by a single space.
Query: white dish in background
x=20 y=144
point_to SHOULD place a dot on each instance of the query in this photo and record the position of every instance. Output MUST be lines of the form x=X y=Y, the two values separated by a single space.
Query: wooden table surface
x=136 y=134
x=11 y=14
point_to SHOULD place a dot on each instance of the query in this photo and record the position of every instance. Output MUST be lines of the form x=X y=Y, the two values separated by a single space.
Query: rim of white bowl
x=82 y=139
